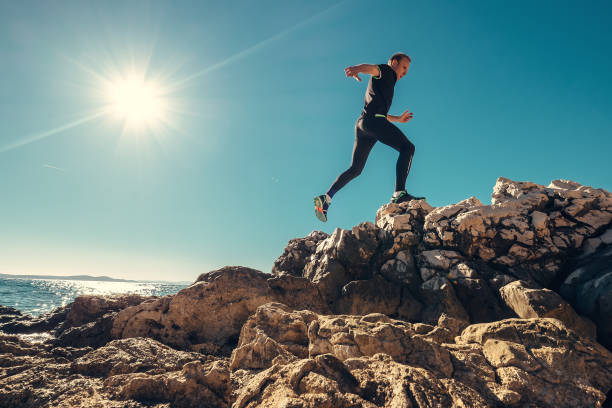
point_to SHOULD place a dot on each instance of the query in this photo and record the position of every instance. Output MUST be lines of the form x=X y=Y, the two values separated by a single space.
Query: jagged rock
x=329 y=275
x=369 y=296
x=439 y=297
x=197 y=384
x=528 y=302
x=47 y=322
x=345 y=256
x=440 y=259
x=88 y=308
x=402 y=270
x=297 y=254
x=92 y=334
x=528 y=227
x=273 y=334
x=134 y=355
x=399 y=218
x=298 y=293
x=436 y=223
x=478 y=300
x=355 y=247
x=89 y=319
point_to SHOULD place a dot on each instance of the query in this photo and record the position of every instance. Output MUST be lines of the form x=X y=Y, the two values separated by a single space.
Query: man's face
x=400 y=67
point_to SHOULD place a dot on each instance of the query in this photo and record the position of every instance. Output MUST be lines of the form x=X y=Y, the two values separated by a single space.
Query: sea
x=37 y=296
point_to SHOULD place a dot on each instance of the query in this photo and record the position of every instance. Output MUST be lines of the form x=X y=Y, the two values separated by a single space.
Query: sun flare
x=138 y=102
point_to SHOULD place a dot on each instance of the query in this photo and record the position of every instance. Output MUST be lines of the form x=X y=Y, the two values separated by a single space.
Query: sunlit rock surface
x=473 y=305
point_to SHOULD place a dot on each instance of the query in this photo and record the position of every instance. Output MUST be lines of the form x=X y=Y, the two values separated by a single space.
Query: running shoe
x=403 y=196
x=321 y=207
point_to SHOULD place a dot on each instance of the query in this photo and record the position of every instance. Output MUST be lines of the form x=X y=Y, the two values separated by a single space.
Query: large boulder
x=528 y=302
x=88 y=308
x=205 y=316
x=208 y=315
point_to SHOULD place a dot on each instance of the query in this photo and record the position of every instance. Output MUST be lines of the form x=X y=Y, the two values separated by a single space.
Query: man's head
x=400 y=63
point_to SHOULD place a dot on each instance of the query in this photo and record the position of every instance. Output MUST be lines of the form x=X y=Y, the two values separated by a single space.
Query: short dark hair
x=398 y=56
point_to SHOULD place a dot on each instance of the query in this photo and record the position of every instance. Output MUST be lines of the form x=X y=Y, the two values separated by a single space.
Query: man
x=374 y=125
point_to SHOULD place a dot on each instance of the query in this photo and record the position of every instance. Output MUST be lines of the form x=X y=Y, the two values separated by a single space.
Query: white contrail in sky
x=48 y=133
x=53 y=167
x=257 y=46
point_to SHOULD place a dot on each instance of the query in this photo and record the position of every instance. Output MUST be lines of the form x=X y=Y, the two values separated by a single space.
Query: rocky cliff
x=467 y=305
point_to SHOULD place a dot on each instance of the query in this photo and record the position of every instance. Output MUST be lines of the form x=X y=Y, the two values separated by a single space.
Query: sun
x=138 y=102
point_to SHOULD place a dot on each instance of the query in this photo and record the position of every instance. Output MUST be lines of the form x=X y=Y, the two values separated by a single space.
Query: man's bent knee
x=408 y=147
x=353 y=172
x=356 y=171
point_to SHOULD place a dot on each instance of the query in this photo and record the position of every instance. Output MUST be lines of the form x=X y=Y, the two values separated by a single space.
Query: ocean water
x=36 y=296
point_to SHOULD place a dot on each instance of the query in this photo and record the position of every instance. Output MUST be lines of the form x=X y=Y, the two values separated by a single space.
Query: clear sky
x=253 y=116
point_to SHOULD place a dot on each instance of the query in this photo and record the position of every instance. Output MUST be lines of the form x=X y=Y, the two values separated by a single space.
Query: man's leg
x=389 y=134
x=361 y=149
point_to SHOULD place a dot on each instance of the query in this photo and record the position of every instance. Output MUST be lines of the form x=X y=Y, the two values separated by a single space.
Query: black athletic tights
x=369 y=130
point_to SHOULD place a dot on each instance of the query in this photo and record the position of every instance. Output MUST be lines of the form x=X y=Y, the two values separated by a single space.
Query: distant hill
x=71 y=277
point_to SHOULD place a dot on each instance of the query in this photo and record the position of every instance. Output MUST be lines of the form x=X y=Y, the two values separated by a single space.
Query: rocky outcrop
x=468 y=304
x=374 y=361
x=12 y=321
x=455 y=260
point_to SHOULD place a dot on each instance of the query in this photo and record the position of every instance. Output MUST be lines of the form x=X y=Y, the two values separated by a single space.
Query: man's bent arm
x=355 y=70
x=368 y=69
x=403 y=118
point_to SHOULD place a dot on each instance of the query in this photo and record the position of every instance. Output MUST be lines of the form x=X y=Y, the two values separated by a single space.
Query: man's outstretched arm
x=355 y=70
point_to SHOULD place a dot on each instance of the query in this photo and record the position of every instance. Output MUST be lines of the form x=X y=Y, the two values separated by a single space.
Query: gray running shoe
x=403 y=196
x=321 y=207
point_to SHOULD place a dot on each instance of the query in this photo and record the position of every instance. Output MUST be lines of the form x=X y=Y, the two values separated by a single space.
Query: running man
x=374 y=125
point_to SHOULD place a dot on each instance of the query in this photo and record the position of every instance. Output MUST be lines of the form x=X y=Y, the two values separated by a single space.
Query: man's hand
x=405 y=117
x=353 y=72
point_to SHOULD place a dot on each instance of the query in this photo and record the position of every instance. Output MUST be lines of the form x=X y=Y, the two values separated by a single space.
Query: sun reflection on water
x=36 y=296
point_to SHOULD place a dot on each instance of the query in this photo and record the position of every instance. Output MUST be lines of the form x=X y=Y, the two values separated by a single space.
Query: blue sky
x=260 y=118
